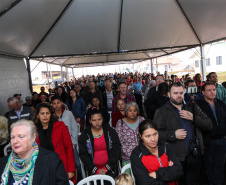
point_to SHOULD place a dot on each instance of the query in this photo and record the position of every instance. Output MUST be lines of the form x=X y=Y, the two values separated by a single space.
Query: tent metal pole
x=73 y=74
x=67 y=75
x=62 y=77
x=157 y=66
x=47 y=74
x=29 y=74
x=51 y=75
x=151 y=65
x=52 y=26
x=189 y=22
x=120 y=26
x=202 y=63
x=83 y=71
x=12 y=5
x=133 y=67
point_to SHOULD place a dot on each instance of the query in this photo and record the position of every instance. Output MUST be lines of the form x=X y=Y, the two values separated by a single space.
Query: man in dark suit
x=174 y=121
x=214 y=140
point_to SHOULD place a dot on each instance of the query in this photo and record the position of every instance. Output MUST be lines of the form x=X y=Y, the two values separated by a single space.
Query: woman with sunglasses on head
x=99 y=146
x=154 y=162
x=54 y=135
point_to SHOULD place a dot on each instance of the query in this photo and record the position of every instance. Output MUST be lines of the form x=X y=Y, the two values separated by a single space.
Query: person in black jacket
x=96 y=102
x=61 y=92
x=28 y=163
x=214 y=141
x=99 y=137
x=175 y=125
x=159 y=79
x=108 y=95
x=154 y=162
x=157 y=99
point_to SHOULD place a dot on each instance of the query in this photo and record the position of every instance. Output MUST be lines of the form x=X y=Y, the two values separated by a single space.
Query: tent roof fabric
x=79 y=33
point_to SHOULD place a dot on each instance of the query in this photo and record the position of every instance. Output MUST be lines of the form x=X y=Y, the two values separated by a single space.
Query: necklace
x=23 y=181
x=98 y=136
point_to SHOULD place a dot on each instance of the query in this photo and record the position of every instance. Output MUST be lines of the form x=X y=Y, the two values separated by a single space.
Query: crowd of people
x=171 y=130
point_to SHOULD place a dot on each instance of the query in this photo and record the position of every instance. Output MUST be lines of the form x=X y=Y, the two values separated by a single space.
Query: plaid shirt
x=127 y=99
x=4 y=129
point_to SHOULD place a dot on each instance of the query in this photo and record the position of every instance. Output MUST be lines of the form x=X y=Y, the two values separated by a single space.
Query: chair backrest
x=83 y=169
x=6 y=149
x=110 y=121
x=79 y=131
x=126 y=167
x=95 y=178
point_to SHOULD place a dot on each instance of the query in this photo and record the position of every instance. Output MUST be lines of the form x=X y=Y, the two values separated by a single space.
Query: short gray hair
x=131 y=103
x=28 y=123
x=13 y=99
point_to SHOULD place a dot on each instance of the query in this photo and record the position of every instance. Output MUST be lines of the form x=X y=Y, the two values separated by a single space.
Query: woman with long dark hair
x=54 y=135
x=61 y=92
x=154 y=162
x=99 y=146
x=96 y=102
x=77 y=106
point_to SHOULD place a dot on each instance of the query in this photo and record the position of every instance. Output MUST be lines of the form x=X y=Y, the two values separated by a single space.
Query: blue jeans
x=78 y=165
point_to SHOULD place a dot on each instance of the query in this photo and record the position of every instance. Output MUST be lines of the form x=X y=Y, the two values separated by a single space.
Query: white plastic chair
x=6 y=149
x=119 y=166
x=95 y=178
x=79 y=131
x=127 y=167
x=83 y=169
x=82 y=165
x=71 y=183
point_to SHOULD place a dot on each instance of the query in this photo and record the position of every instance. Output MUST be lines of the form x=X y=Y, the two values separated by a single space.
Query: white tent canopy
x=79 y=33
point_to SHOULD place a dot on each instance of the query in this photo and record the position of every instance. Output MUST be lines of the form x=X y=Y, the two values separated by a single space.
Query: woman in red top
x=54 y=135
x=99 y=146
x=120 y=113
x=154 y=162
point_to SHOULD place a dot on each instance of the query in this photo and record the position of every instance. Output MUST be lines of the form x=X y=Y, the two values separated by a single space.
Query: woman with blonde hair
x=124 y=179
x=28 y=163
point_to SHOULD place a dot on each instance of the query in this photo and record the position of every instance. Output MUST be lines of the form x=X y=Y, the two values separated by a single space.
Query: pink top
x=100 y=153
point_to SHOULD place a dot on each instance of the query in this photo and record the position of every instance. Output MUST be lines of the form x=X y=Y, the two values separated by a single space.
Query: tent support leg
x=62 y=77
x=151 y=65
x=73 y=74
x=202 y=63
x=157 y=66
x=51 y=75
x=47 y=74
x=29 y=74
x=67 y=75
